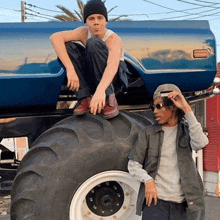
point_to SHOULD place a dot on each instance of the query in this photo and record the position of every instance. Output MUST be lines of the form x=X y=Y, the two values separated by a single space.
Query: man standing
x=95 y=67
x=162 y=160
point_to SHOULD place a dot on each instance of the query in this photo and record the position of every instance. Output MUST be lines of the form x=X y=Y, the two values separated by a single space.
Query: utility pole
x=23 y=11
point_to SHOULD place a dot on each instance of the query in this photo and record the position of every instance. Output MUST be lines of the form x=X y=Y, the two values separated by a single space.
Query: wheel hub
x=105 y=199
x=106 y=196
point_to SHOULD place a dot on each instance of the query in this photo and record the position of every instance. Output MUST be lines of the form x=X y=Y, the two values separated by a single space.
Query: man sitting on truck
x=161 y=160
x=95 y=67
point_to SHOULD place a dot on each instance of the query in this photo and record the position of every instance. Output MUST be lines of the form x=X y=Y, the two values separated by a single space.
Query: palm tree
x=78 y=16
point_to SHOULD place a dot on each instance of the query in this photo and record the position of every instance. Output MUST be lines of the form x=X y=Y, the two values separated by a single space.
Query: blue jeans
x=90 y=62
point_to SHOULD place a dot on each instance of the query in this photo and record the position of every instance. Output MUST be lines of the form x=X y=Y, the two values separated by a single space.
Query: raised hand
x=179 y=101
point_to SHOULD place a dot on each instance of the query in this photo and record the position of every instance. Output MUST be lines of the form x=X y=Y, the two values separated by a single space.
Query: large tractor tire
x=77 y=170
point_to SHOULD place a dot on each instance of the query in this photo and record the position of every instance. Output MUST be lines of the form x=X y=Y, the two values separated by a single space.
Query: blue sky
x=137 y=9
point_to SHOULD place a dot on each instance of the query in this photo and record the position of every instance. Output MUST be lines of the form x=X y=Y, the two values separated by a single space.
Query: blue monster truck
x=76 y=167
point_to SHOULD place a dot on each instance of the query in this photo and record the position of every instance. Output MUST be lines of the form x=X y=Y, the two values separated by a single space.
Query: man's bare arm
x=58 y=41
x=114 y=45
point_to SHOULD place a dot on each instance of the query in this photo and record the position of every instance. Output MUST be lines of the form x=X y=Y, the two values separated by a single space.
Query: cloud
x=170 y=55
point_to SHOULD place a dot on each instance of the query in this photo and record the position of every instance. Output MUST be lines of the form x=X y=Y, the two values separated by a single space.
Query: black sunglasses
x=157 y=106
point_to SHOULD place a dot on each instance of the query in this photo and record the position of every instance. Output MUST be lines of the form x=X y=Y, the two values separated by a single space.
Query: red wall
x=213 y=125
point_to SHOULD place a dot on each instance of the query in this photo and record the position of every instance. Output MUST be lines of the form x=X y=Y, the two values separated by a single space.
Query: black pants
x=165 y=210
x=90 y=62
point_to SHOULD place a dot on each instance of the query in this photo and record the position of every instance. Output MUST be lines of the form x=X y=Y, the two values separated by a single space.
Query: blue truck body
x=158 y=51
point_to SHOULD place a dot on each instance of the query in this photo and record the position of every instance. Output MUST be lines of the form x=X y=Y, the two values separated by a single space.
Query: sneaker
x=82 y=106
x=111 y=108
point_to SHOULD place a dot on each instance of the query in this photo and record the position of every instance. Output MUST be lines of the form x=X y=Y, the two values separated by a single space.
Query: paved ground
x=5 y=207
x=212 y=208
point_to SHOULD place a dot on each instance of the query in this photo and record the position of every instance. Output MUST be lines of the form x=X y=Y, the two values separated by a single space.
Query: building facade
x=211 y=153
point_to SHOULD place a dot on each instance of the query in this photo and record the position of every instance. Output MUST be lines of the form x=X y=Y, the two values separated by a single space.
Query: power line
x=215 y=3
x=11 y=9
x=163 y=6
x=206 y=15
x=177 y=11
x=34 y=15
x=211 y=5
x=129 y=15
x=172 y=10
x=39 y=13
x=36 y=19
x=160 y=13
x=28 y=7
x=207 y=2
x=217 y=17
x=192 y=14
x=42 y=8
x=198 y=13
x=31 y=5
x=199 y=4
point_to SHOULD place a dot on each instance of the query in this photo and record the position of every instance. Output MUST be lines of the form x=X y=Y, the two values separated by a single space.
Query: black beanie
x=95 y=7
